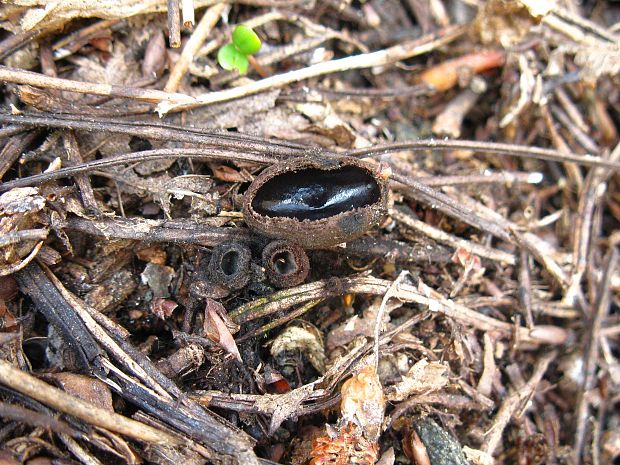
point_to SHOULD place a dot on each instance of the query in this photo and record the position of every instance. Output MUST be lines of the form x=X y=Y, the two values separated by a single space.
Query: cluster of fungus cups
x=286 y=264
x=304 y=203
x=316 y=202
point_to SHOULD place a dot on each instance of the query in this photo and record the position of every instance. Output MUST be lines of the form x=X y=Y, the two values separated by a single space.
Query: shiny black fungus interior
x=313 y=194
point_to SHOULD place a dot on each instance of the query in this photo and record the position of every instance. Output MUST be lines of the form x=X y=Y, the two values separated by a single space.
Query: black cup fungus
x=316 y=202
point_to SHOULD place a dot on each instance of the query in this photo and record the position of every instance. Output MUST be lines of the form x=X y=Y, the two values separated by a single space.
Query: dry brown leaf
x=158 y=278
x=360 y=326
x=163 y=308
x=354 y=438
x=154 y=56
x=363 y=402
x=244 y=113
x=8 y=322
x=227 y=174
x=89 y=389
x=217 y=330
x=423 y=377
x=329 y=124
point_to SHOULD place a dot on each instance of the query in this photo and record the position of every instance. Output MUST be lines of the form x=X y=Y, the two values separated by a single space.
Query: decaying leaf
x=296 y=338
x=197 y=188
x=363 y=402
x=20 y=219
x=354 y=438
x=423 y=377
x=503 y=23
x=112 y=291
x=21 y=200
x=8 y=322
x=478 y=457
x=329 y=124
x=158 y=278
x=217 y=329
x=360 y=326
x=86 y=388
x=154 y=56
x=163 y=308
x=284 y=406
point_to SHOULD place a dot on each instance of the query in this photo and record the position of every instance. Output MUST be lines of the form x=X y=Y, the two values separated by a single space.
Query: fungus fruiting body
x=316 y=202
x=230 y=265
x=286 y=264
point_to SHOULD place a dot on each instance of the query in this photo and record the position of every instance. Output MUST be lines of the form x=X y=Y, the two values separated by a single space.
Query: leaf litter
x=477 y=323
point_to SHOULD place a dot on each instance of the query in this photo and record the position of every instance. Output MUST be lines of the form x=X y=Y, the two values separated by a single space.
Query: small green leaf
x=230 y=58
x=246 y=40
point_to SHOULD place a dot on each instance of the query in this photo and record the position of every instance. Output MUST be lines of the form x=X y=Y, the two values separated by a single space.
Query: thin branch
x=174 y=23
x=160 y=131
x=60 y=400
x=453 y=241
x=591 y=352
x=129 y=158
x=422 y=295
x=18 y=76
x=513 y=150
x=588 y=202
x=179 y=231
x=512 y=402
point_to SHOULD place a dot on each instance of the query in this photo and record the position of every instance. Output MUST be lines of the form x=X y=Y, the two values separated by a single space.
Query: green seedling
x=232 y=56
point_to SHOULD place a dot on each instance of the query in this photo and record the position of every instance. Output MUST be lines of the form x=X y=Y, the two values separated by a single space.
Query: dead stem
x=160 y=131
x=592 y=336
x=485 y=147
x=18 y=76
x=60 y=400
x=174 y=23
x=440 y=236
x=588 y=202
x=179 y=231
x=129 y=158
x=509 y=406
x=424 y=296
